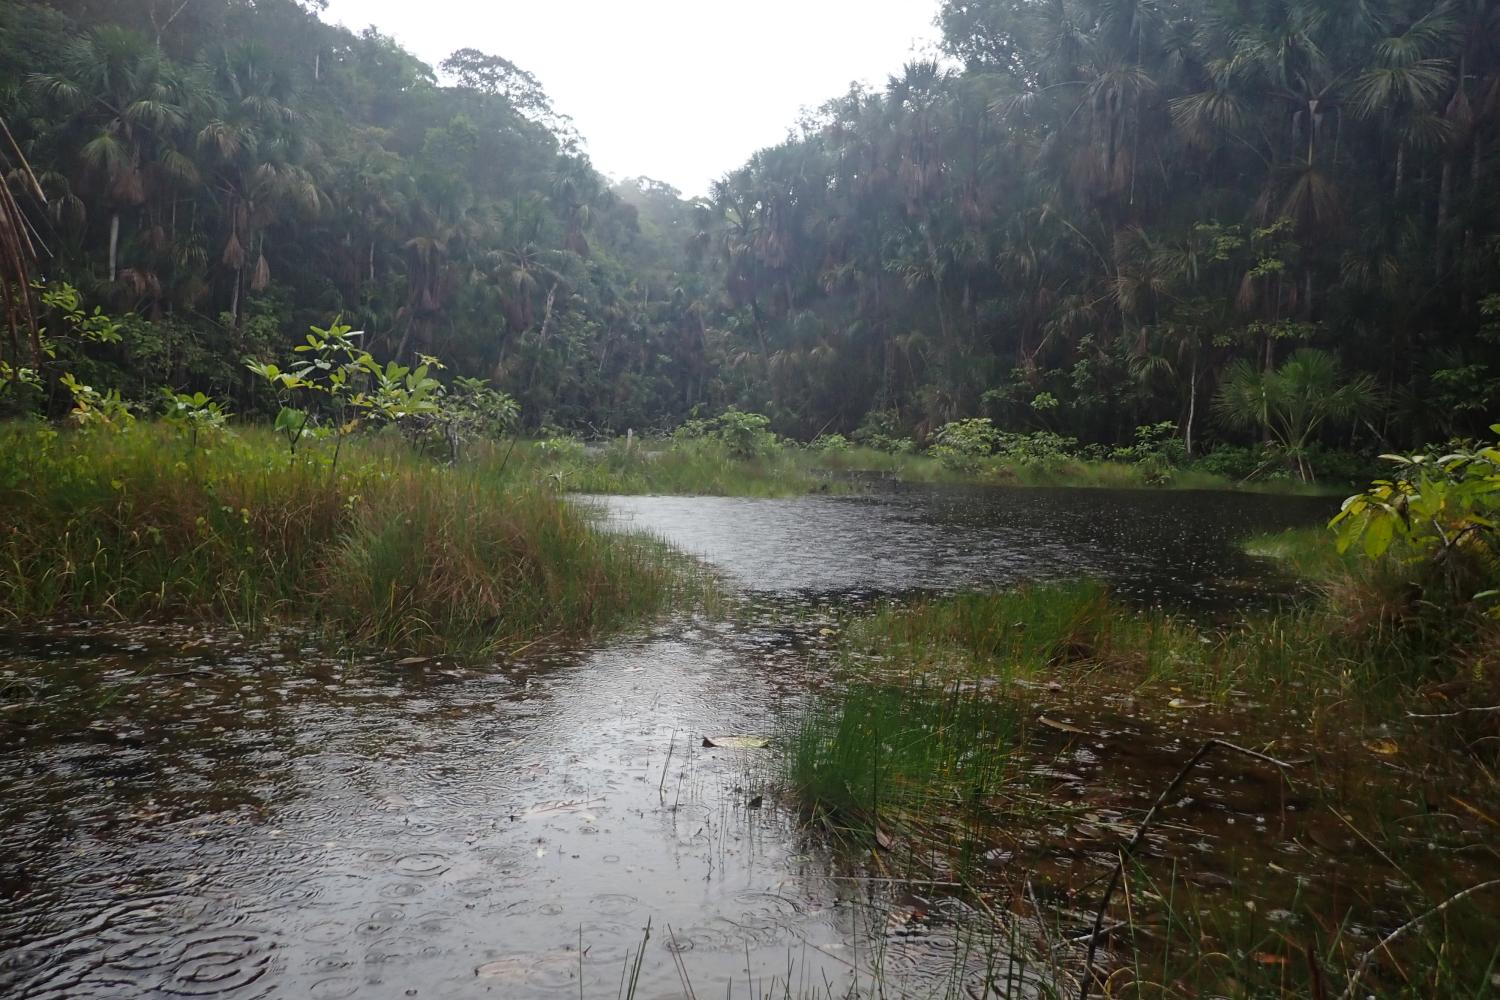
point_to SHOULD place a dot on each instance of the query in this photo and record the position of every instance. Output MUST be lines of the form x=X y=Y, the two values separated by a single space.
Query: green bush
x=829 y=442
x=961 y=445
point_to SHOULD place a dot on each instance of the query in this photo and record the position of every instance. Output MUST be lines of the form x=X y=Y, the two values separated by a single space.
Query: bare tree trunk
x=114 y=244
x=1192 y=407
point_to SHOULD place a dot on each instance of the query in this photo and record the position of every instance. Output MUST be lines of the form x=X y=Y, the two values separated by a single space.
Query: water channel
x=184 y=813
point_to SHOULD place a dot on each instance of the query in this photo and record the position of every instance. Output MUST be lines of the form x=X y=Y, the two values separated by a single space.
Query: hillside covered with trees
x=227 y=174
x=1086 y=216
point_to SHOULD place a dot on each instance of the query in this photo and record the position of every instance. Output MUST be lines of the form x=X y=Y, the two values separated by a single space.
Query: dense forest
x=1082 y=217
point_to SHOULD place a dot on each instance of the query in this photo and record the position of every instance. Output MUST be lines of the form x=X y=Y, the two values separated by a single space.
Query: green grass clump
x=1030 y=631
x=389 y=549
x=880 y=761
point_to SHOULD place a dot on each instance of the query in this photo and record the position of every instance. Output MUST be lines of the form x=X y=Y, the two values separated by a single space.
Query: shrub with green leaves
x=746 y=435
x=195 y=413
x=1437 y=514
x=829 y=442
x=961 y=445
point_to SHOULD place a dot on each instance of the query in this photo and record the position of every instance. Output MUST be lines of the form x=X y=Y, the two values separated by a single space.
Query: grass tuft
x=392 y=549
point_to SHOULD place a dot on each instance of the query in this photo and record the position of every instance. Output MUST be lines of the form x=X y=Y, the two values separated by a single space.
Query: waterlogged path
x=183 y=815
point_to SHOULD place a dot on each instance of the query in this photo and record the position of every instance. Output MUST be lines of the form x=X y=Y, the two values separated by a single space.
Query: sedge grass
x=390 y=549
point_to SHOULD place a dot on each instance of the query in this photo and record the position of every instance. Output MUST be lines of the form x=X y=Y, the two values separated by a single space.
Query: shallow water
x=186 y=815
x=1176 y=547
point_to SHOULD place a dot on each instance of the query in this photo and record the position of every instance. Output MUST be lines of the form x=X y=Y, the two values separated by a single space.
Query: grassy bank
x=950 y=754
x=387 y=548
x=707 y=466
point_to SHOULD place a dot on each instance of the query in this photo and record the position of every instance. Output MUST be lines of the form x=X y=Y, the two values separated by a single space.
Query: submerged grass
x=388 y=549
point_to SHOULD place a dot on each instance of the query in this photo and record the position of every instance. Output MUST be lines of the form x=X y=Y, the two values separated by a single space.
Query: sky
x=678 y=90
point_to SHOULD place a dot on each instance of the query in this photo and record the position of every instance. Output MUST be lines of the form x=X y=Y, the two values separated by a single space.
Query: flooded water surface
x=182 y=814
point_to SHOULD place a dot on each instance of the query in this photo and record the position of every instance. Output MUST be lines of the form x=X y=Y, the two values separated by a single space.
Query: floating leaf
x=1061 y=727
x=737 y=742
x=1185 y=705
x=1386 y=748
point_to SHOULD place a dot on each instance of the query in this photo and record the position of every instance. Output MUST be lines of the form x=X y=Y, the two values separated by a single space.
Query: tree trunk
x=114 y=244
x=1187 y=437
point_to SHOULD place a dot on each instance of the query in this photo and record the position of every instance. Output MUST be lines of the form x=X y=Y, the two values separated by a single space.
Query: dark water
x=184 y=815
x=1153 y=546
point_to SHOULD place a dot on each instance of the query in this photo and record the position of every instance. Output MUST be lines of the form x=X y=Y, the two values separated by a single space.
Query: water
x=186 y=815
x=1154 y=546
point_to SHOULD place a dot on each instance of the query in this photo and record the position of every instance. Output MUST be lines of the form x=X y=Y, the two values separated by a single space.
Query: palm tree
x=1293 y=402
x=123 y=108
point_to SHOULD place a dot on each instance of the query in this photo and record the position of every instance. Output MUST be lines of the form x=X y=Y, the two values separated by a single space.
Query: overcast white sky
x=678 y=90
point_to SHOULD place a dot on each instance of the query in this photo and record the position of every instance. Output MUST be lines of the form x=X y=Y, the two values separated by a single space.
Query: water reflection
x=1153 y=546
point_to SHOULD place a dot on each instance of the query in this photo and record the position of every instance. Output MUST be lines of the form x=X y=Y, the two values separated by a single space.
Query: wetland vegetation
x=915 y=568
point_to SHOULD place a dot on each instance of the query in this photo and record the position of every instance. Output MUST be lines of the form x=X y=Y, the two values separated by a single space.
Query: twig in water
x=1453 y=715
x=662 y=785
x=682 y=972
x=1114 y=879
x=1385 y=942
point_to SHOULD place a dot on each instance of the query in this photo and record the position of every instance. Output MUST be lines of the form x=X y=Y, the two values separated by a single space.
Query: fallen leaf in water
x=1386 y=748
x=1186 y=705
x=413 y=661
x=1061 y=727
x=826 y=631
x=737 y=742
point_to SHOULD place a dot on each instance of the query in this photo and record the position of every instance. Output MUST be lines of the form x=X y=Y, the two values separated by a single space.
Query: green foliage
x=830 y=442
x=882 y=430
x=1437 y=514
x=348 y=384
x=1036 y=449
x=95 y=410
x=395 y=550
x=961 y=445
x=744 y=434
x=195 y=412
x=1294 y=401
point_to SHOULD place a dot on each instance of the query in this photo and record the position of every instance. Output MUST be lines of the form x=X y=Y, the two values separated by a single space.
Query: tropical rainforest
x=1080 y=217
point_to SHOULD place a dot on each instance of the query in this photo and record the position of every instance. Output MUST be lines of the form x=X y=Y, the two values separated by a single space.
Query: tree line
x=1084 y=217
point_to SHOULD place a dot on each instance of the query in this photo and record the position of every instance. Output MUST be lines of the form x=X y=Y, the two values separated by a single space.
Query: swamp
x=1022 y=524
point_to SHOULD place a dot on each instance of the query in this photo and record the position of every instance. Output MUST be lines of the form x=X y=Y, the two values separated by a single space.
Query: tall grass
x=392 y=549
x=880 y=760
